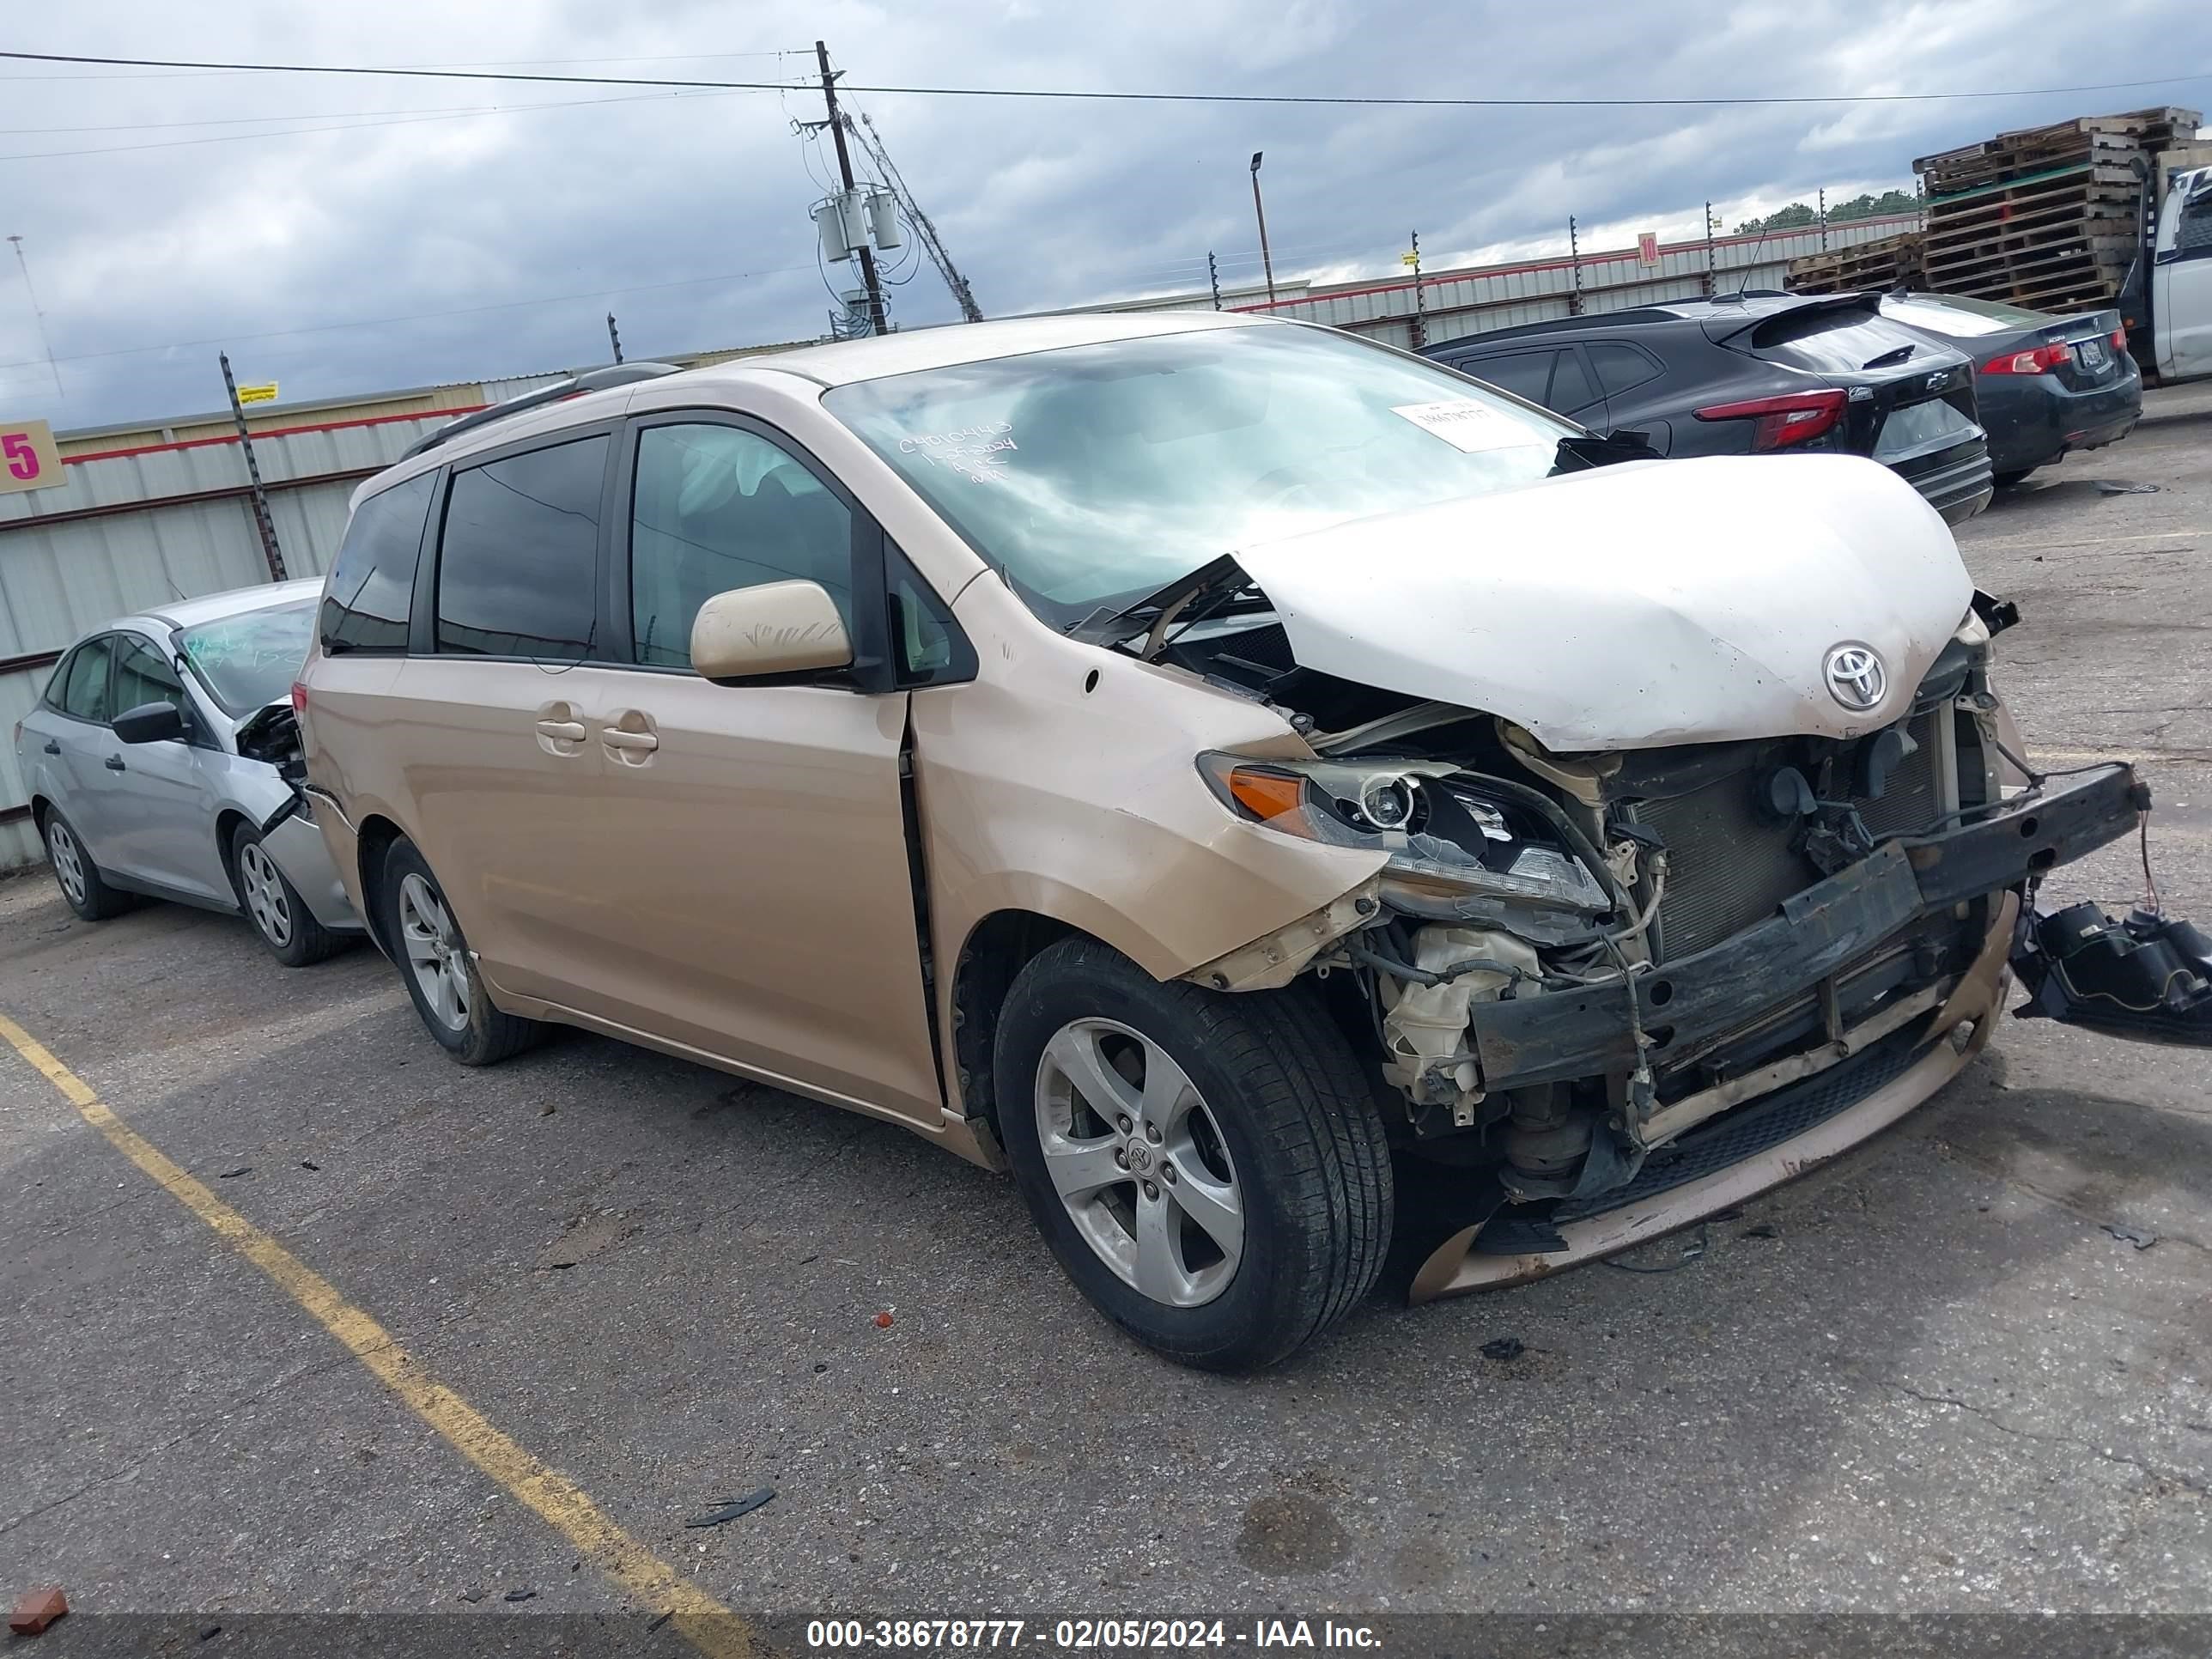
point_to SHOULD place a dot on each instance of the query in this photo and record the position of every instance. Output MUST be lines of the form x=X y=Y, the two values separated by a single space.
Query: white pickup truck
x=2167 y=302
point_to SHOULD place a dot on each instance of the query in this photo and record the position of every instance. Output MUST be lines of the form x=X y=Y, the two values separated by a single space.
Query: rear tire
x=281 y=918
x=434 y=965
x=83 y=887
x=1209 y=1169
x=2006 y=480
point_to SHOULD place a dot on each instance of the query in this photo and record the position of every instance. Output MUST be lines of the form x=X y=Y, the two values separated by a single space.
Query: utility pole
x=1712 y=255
x=1266 y=264
x=1213 y=276
x=1421 y=302
x=1823 y=218
x=876 y=318
x=38 y=315
x=614 y=336
x=1575 y=265
x=267 y=526
x=931 y=243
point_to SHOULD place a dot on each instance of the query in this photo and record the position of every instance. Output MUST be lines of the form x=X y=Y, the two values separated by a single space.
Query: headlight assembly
x=1454 y=852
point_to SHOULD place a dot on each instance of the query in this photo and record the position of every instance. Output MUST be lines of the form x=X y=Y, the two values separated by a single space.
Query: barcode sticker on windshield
x=1471 y=427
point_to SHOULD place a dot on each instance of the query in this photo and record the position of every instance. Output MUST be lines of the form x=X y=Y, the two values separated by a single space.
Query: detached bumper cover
x=297 y=845
x=1563 y=1035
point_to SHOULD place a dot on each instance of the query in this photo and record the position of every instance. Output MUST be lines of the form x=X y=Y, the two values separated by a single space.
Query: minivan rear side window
x=366 y=601
x=519 y=561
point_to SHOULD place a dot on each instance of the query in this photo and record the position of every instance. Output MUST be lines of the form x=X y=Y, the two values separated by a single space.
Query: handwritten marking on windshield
x=978 y=453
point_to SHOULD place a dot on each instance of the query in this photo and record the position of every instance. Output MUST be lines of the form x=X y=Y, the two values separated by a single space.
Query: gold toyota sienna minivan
x=1306 y=812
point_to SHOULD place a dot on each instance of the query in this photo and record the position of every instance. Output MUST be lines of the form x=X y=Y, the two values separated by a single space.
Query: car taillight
x=1794 y=418
x=299 y=697
x=2041 y=361
x=2120 y=339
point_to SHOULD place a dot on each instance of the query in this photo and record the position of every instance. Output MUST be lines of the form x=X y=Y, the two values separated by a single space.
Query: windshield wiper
x=1887 y=358
x=1110 y=623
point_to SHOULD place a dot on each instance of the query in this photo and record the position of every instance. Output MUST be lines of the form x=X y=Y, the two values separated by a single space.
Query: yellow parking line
x=710 y=1627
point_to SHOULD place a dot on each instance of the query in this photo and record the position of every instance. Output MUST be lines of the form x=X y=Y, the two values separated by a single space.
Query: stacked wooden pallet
x=1886 y=262
x=2044 y=217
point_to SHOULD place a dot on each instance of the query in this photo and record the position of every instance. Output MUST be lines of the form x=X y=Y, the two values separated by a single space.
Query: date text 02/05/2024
x=834 y=1635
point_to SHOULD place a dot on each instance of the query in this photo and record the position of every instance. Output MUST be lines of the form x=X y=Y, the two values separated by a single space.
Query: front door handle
x=52 y=748
x=561 y=731
x=115 y=764
x=616 y=737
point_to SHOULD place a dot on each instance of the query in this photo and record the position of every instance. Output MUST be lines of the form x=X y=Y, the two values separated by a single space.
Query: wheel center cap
x=1140 y=1158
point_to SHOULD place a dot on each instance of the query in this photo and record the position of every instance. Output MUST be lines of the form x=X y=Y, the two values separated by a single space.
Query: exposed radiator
x=1729 y=867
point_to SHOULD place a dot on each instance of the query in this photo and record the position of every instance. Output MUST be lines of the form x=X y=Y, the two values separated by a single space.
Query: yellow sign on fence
x=258 y=394
x=28 y=459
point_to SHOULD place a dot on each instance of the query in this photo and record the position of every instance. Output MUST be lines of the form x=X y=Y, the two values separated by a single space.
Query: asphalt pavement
x=1965 y=1369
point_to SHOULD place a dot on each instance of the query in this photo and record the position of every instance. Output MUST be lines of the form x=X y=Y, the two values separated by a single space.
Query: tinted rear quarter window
x=517 y=564
x=365 y=602
x=1621 y=367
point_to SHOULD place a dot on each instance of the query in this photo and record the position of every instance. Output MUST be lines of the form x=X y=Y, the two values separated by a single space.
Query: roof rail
x=592 y=379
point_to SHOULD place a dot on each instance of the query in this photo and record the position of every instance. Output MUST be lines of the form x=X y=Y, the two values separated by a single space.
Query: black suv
x=1753 y=372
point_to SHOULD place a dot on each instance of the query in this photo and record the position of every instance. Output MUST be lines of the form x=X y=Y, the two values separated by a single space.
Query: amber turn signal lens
x=1266 y=794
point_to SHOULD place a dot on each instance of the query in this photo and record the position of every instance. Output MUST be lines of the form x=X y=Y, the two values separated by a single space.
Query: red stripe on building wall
x=276 y=432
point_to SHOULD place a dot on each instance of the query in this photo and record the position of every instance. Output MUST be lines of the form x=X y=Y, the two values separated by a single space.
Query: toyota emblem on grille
x=1855 y=675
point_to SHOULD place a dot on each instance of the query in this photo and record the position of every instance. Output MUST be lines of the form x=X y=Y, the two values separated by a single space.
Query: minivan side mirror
x=151 y=722
x=777 y=627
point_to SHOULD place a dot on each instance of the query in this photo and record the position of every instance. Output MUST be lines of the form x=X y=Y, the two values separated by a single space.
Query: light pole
x=1260 y=211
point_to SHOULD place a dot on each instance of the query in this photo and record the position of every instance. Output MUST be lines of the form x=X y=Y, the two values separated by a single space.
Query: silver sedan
x=163 y=760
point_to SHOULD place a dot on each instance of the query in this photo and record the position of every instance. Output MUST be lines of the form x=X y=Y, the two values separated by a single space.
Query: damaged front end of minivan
x=1662 y=921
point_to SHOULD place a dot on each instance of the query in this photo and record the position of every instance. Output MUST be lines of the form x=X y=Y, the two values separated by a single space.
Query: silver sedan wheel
x=434 y=953
x=264 y=888
x=1137 y=1158
x=69 y=862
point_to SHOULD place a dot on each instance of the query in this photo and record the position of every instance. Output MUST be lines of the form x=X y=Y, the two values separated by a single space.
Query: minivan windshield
x=1095 y=475
x=250 y=660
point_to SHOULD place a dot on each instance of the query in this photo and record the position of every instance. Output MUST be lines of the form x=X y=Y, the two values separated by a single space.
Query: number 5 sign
x=28 y=459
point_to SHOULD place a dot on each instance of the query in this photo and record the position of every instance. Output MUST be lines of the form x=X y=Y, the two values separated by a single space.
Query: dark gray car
x=163 y=760
x=2046 y=386
x=1747 y=373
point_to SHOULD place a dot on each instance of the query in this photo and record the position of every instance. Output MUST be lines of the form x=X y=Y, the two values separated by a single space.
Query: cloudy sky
x=464 y=229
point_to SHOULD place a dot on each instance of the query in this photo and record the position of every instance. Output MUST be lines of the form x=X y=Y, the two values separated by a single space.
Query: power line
x=1115 y=96
x=317 y=115
x=411 y=316
x=476 y=63
x=396 y=119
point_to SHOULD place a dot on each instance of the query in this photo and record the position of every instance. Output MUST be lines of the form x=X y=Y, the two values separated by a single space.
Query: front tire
x=273 y=905
x=83 y=888
x=1208 y=1169
x=434 y=965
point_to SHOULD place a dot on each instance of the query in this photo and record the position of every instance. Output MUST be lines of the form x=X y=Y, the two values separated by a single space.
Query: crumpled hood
x=1636 y=606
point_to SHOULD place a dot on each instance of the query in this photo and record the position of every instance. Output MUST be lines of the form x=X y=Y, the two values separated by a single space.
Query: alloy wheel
x=436 y=955
x=69 y=862
x=264 y=888
x=1138 y=1160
